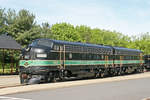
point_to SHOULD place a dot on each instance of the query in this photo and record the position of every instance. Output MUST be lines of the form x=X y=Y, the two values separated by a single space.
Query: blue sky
x=130 y=17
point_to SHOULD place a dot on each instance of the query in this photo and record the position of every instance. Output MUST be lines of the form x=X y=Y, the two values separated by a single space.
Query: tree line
x=23 y=27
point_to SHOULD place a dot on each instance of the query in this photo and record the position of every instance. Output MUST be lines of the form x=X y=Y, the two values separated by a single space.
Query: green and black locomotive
x=45 y=60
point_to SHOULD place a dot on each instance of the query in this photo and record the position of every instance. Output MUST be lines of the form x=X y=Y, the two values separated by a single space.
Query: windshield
x=42 y=42
x=45 y=42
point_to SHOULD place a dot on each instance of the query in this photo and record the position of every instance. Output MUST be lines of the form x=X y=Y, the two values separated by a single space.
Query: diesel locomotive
x=46 y=60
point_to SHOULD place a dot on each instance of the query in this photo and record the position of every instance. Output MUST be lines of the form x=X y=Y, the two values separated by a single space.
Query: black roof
x=7 y=42
x=81 y=44
x=126 y=51
x=47 y=42
x=95 y=48
x=73 y=46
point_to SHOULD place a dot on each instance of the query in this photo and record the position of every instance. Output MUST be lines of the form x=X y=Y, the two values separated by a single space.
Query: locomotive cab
x=33 y=58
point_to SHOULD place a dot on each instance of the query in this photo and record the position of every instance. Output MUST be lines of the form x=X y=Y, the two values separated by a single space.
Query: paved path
x=136 y=89
x=39 y=87
x=9 y=80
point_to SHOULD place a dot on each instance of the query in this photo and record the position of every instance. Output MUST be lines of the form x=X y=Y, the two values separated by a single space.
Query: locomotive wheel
x=115 y=72
x=62 y=78
x=123 y=71
x=62 y=74
x=102 y=74
x=120 y=71
x=142 y=69
x=22 y=80
x=52 y=77
x=97 y=74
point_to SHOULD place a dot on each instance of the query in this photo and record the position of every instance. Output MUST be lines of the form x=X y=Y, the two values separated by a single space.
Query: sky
x=130 y=17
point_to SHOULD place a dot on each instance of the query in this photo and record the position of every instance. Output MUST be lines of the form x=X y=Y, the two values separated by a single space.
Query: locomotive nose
x=25 y=63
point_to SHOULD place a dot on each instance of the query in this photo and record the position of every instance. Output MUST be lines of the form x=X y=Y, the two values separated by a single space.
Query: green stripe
x=86 y=62
x=74 y=62
x=128 y=61
x=39 y=62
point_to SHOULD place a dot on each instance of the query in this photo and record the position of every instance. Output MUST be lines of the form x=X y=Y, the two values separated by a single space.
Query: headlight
x=26 y=57
x=41 y=55
x=39 y=50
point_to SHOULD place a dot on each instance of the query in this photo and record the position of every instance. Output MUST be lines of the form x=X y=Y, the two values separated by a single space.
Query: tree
x=142 y=42
x=64 y=31
x=2 y=21
x=46 y=31
x=27 y=37
x=84 y=32
x=19 y=23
